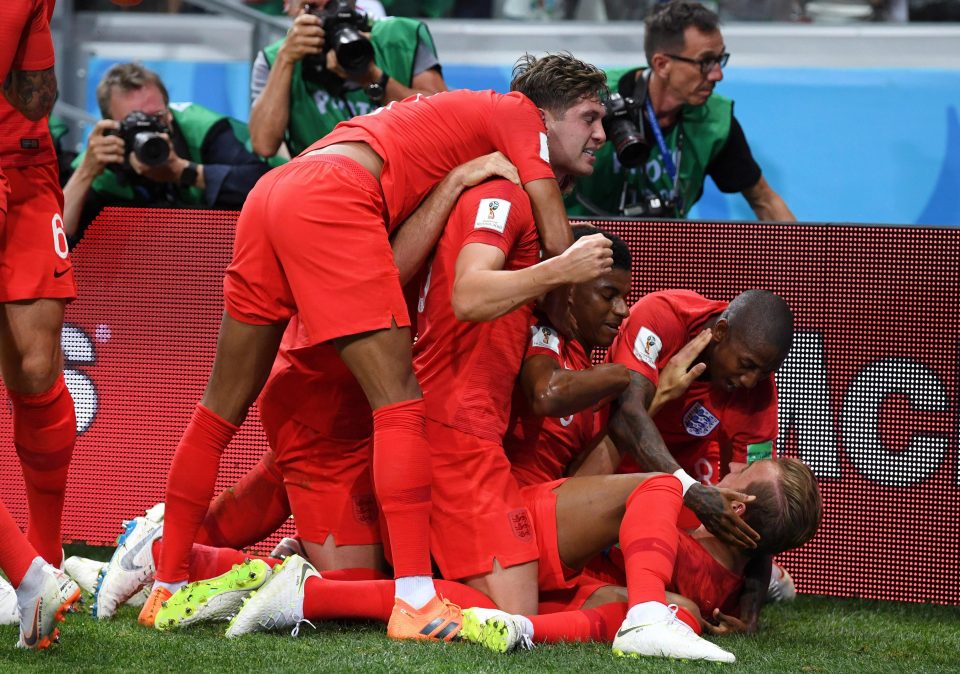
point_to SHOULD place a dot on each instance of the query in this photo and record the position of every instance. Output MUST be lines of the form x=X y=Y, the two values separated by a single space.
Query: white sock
x=172 y=587
x=647 y=612
x=526 y=625
x=415 y=590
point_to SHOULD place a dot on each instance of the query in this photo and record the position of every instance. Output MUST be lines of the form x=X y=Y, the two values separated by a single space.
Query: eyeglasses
x=706 y=64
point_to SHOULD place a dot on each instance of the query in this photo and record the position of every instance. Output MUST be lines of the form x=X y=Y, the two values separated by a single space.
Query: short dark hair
x=666 y=24
x=127 y=77
x=787 y=513
x=621 y=253
x=760 y=317
x=556 y=82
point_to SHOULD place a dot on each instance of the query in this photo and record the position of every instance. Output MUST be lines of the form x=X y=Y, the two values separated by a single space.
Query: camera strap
x=661 y=143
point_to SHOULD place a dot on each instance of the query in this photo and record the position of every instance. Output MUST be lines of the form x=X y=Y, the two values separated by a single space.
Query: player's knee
x=38 y=370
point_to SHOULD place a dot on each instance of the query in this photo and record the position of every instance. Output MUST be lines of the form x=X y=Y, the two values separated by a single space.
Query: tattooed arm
x=32 y=92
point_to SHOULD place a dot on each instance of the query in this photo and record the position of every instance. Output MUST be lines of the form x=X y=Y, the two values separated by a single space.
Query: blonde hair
x=787 y=512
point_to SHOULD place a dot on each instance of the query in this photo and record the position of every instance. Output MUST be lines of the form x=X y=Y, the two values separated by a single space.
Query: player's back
x=422 y=138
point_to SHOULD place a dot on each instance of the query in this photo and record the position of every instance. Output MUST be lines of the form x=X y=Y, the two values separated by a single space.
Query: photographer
x=323 y=72
x=669 y=109
x=146 y=152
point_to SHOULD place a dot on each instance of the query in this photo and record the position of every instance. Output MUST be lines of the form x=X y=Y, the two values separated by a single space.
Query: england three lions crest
x=699 y=421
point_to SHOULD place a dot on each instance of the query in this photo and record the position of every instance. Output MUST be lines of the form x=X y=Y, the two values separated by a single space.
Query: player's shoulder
x=544 y=336
x=494 y=201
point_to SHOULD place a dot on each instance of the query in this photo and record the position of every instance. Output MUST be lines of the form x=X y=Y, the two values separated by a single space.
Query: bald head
x=761 y=319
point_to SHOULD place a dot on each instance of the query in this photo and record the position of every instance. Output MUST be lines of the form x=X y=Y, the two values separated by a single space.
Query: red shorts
x=478 y=512
x=570 y=599
x=327 y=478
x=34 y=256
x=542 y=502
x=311 y=239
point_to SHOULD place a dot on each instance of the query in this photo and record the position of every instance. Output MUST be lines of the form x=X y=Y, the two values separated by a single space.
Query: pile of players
x=490 y=445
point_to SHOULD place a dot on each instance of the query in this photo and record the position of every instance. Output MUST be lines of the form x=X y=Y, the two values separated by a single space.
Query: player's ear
x=719 y=330
x=739 y=507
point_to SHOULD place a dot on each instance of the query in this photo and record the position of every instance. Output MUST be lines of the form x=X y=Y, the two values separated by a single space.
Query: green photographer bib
x=705 y=130
x=194 y=123
x=314 y=111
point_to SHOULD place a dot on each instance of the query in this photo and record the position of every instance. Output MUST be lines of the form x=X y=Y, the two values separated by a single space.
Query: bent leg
x=381 y=361
x=245 y=354
x=589 y=512
x=512 y=589
x=249 y=511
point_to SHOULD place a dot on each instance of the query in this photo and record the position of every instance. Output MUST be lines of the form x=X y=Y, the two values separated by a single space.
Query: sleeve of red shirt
x=25 y=29
x=496 y=213
x=518 y=131
x=650 y=336
x=544 y=341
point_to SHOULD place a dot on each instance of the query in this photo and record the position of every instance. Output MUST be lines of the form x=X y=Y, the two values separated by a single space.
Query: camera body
x=141 y=134
x=343 y=26
x=652 y=206
x=623 y=124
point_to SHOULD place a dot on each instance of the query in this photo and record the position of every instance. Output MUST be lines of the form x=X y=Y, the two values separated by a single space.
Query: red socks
x=649 y=538
x=249 y=511
x=327 y=599
x=209 y=562
x=401 y=476
x=44 y=432
x=190 y=486
x=16 y=553
x=590 y=624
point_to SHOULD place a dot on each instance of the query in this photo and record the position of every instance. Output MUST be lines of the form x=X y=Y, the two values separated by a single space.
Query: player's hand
x=727 y=624
x=103 y=150
x=167 y=172
x=714 y=508
x=677 y=375
x=477 y=170
x=588 y=258
x=305 y=37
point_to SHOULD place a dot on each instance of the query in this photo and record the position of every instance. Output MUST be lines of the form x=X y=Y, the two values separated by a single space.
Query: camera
x=141 y=136
x=342 y=26
x=651 y=206
x=624 y=128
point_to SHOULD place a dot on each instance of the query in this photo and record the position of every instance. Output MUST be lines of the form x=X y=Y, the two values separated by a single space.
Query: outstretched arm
x=767 y=204
x=554 y=391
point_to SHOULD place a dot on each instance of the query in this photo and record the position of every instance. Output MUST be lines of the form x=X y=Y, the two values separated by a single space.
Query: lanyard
x=664 y=150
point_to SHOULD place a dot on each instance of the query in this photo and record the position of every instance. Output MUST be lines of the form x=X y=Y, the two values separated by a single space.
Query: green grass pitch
x=812 y=634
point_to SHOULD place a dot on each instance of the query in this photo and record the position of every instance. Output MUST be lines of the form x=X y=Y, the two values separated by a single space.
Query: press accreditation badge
x=492 y=214
x=646 y=347
x=545 y=338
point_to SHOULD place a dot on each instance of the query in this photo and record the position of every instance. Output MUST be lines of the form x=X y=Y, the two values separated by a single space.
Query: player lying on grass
x=702 y=572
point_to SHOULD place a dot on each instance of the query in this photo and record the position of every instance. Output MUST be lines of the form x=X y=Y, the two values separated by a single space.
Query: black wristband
x=189 y=176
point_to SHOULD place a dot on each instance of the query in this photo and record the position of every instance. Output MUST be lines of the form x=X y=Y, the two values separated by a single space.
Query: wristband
x=685 y=480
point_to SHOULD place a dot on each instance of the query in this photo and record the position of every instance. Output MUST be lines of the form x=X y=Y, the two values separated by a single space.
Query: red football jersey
x=467 y=369
x=541 y=448
x=423 y=137
x=701 y=578
x=706 y=422
x=25 y=44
